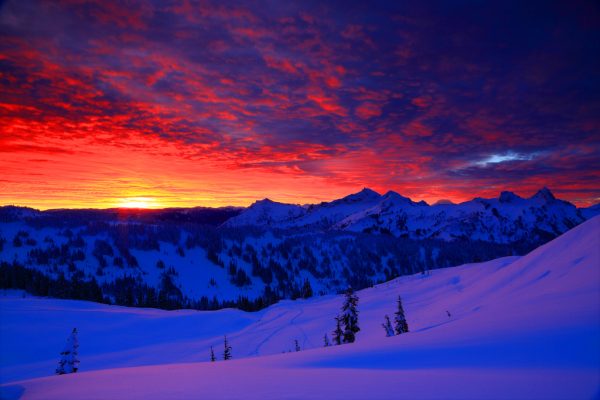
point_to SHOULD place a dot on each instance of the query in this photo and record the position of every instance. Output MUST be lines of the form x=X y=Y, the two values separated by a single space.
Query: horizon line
x=167 y=207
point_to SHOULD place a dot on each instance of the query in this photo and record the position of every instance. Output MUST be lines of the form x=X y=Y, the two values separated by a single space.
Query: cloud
x=504 y=157
x=368 y=110
x=430 y=100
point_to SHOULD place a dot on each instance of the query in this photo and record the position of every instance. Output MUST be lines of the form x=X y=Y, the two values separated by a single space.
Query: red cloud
x=368 y=110
x=160 y=98
x=282 y=65
x=327 y=103
x=421 y=102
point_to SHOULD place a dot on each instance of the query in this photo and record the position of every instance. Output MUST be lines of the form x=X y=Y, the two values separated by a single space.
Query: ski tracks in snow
x=292 y=322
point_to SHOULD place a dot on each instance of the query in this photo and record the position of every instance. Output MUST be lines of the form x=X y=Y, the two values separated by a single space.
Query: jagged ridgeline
x=249 y=258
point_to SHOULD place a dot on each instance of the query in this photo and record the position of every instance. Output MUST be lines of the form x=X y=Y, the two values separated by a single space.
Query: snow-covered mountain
x=511 y=328
x=266 y=213
x=590 y=212
x=327 y=214
x=506 y=219
x=229 y=257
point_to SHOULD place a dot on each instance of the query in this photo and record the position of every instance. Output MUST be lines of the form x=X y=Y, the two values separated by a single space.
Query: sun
x=137 y=202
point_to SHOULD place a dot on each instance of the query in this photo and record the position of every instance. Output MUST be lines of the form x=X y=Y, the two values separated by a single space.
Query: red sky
x=208 y=103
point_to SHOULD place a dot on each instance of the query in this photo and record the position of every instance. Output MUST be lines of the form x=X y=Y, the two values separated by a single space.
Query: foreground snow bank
x=267 y=379
x=520 y=328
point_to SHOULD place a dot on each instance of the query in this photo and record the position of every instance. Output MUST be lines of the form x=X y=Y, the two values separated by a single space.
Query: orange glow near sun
x=114 y=107
x=137 y=202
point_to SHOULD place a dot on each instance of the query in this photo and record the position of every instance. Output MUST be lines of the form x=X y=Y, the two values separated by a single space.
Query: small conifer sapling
x=69 y=361
x=401 y=326
x=387 y=325
x=338 y=333
x=227 y=350
x=350 y=316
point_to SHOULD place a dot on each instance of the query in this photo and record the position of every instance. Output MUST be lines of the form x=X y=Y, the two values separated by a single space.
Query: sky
x=186 y=103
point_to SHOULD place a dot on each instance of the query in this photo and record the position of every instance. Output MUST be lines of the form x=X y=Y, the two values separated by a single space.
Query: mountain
x=508 y=218
x=249 y=258
x=266 y=213
x=196 y=215
x=591 y=211
x=326 y=214
x=514 y=327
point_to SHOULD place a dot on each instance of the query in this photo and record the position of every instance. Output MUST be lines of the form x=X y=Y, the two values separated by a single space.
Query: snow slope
x=505 y=219
x=327 y=214
x=524 y=327
x=591 y=212
x=502 y=220
x=266 y=213
x=359 y=239
x=194 y=270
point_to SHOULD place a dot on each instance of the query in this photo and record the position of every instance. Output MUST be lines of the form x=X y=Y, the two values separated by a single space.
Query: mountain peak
x=544 y=194
x=443 y=202
x=394 y=195
x=365 y=194
x=265 y=201
x=368 y=192
x=508 y=197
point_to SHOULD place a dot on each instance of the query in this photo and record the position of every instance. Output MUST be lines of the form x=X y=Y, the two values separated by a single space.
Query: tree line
x=124 y=291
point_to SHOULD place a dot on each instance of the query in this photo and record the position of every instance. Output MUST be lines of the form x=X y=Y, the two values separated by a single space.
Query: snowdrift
x=524 y=327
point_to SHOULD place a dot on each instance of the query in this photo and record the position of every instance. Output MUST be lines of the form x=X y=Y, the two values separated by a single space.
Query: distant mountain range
x=506 y=219
x=195 y=215
x=250 y=257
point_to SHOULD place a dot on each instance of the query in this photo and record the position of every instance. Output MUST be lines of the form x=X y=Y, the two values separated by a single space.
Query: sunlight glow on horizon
x=275 y=105
x=138 y=202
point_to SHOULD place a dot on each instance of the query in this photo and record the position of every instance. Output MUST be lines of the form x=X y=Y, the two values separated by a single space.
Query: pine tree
x=227 y=350
x=350 y=316
x=338 y=333
x=387 y=325
x=401 y=326
x=326 y=342
x=69 y=363
x=212 y=355
x=296 y=345
x=307 y=289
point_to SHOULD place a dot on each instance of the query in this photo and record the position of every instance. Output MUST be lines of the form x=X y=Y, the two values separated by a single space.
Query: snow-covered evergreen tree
x=350 y=316
x=401 y=326
x=338 y=333
x=69 y=361
x=212 y=355
x=326 y=342
x=387 y=325
x=227 y=350
x=296 y=345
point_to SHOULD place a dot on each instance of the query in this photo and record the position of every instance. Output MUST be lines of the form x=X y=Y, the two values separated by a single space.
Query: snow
x=327 y=214
x=323 y=229
x=520 y=327
x=194 y=270
x=266 y=213
x=591 y=212
x=505 y=219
